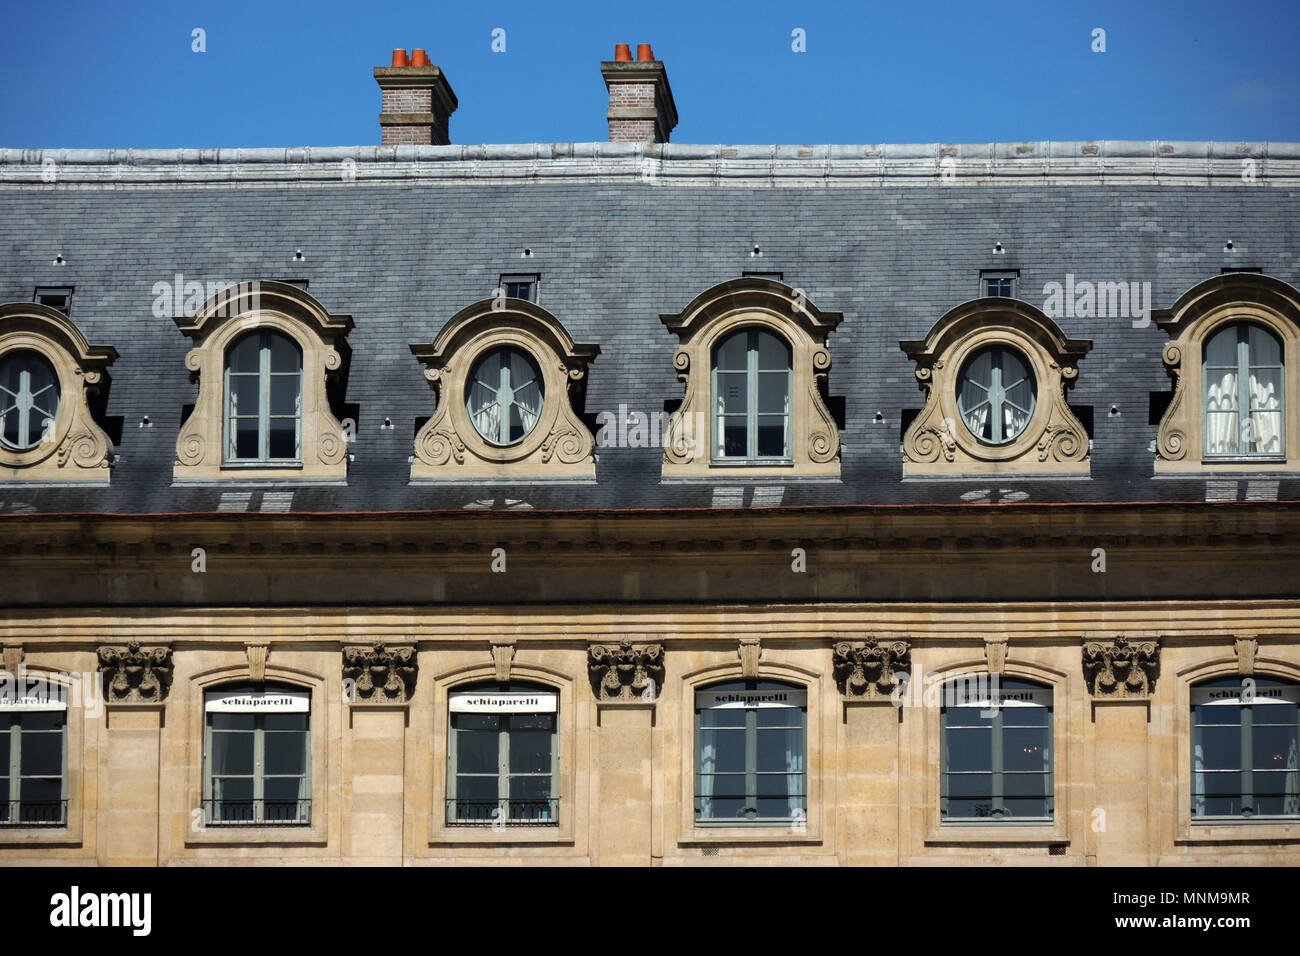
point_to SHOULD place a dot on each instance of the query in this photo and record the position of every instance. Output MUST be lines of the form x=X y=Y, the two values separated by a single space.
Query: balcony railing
x=257 y=813
x=34 y=813
x=503 y=813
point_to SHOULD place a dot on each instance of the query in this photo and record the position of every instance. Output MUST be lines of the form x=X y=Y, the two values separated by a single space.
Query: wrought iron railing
x=257 y=813
x=503 y=813
x=34 y=813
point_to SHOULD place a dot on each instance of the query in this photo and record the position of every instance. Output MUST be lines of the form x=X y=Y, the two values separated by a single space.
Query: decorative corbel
x=1119 y=668
x=871 y=669
x=503 y=652
x=995 y=652
x=750 y=650
x=380 y=674
x=257 y=661
x=135 y=674
x=1247 y=648
x=626 y=671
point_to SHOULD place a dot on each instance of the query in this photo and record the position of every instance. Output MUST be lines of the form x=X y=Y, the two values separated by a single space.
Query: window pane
x=1275 y=747
x=474 y=792
x=284 y=721
x=1221 y=349
x=735 y=438
x=1217 y=748
x=477 y=747
x=773 y=354
x=284 y=438
x=4 y=751
x=284 y=394
x=29 y=396
x=245 y=394
x=969 y=749
x=232 y=721
x=771 y=436
x=970 y=785
x=732 y=353
x=285 y=356
x=733 y=393
x=773 y=393
x=722 y=751
x=246 y=445
x=530 y=751
x=286 y=752
x=1025 y=749
x=41 y=800
x=1219 y=714
x=232 y=753
x=43 y=720
x=1264 y=347
x=246 y=356
x=236 y=789
x=780 y=750
x=281 y=800
x=721 y=717
x=41 y=754
x=530 y=790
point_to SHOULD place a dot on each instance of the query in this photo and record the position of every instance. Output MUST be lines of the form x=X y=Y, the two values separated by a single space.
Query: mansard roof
x=402 y=239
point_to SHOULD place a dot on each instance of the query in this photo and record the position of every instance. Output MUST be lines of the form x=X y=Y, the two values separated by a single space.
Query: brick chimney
x=417 y=101
x=641 y=108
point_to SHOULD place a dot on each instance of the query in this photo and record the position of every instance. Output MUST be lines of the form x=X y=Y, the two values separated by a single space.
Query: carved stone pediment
x=870 y=669
x=1121 y=668
x=73 y=446
x=1052 y=441
x=134 y=674
x=558 y=445
x=626 y=671
x=380 y=674
x=702 y=325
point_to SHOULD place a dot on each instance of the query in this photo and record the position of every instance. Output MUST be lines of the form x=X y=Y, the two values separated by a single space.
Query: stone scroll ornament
x=626 y=671
x=133 y=674
x=380 y=674
x=1121 y=668
x=872 y=668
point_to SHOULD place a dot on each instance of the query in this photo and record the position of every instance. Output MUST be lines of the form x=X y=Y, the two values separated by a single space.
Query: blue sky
x=119 y=74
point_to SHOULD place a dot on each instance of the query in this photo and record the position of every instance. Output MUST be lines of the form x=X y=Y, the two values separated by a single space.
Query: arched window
x=1245 y=749
x=257 y=756
x=751 y=387
x=1243 y=397
x=33 y=755
x=264 y=399
x=503 y=756
x=750 y=753
x=504 y=397
x=29 y=398
x=996 y=394
x=996 y=751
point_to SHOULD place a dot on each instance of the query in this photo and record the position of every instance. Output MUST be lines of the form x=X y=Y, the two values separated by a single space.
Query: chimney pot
x=416 y=101
x=641 y=108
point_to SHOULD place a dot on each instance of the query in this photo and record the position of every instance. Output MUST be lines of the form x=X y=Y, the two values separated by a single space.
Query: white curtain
x=1264 y=399
x=708 y=761
x=1014 y=421
x=976 y=419
x=1221 y=416
x=488 y=420
x=1291 y=805
x=794 y=780
x=1198 y=782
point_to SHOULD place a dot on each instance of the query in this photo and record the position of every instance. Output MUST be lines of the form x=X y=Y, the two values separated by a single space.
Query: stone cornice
x=938 y=165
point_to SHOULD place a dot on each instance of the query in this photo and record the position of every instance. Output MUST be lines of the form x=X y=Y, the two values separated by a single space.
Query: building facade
x=639 y=503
